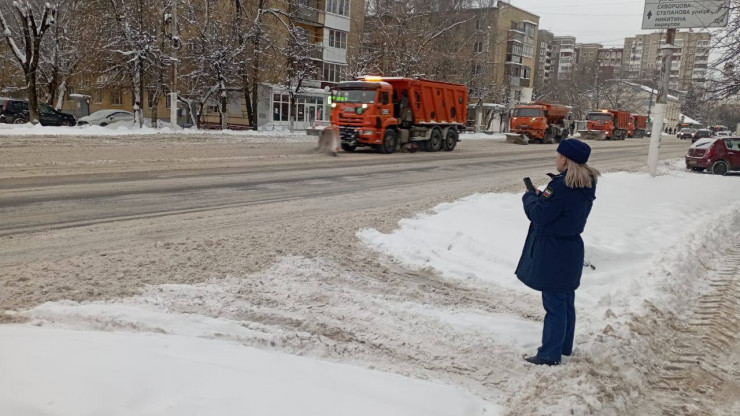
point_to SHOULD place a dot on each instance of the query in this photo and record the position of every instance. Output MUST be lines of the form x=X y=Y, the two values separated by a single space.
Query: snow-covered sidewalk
x=128 y=130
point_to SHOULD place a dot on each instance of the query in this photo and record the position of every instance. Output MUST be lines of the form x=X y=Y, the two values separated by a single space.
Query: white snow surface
x=634 y=218
x=188 y=349
x=129 y=129
x=78 y=373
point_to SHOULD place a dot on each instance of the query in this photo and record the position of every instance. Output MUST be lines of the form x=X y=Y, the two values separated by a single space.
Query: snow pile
x=635 y=217
x=63 y=372
x=129 y=129
x=652 y=242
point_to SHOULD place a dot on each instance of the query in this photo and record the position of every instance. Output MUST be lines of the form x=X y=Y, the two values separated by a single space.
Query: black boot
x=539 y=361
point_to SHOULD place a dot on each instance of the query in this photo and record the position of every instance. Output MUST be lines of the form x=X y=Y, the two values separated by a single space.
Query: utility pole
x=175 y=47
x=661 y=103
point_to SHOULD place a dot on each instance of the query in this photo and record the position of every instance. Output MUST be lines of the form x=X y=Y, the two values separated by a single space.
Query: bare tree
x=133 y=47
x=724 y=73
x=33 y=31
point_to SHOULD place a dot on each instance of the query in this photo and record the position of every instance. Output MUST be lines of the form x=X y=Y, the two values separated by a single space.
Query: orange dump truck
x=386 y=113
x=607 y=124
x=540 y=121
x=639 y=126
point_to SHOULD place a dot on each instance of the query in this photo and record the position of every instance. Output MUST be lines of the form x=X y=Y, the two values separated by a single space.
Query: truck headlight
x=368 y=132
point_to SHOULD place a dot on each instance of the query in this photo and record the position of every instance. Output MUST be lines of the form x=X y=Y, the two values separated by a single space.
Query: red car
x=718 y=155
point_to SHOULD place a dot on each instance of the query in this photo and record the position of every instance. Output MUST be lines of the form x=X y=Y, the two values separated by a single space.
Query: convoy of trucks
x=388 y=113
x=540 y=121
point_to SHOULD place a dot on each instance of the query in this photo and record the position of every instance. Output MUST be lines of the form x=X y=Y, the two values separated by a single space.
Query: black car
x=14 y=111
x=686 y=133
x=701 y=134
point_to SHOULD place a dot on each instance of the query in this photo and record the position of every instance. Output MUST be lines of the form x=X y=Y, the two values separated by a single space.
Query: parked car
x=15 y=111
x=719 y=156
x=48 y=116
x=105 y=117
x=686 y=133
x=702 y=134
x=724 y=133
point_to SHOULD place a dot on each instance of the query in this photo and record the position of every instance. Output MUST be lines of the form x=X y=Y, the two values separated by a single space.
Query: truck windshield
x=528 y=112
x=354 y=96
x=599 y=117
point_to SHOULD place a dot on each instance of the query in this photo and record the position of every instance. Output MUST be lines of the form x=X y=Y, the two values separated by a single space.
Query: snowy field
x=193 y=350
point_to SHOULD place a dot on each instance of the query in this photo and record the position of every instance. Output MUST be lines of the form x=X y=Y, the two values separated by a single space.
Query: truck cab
x=363 y=111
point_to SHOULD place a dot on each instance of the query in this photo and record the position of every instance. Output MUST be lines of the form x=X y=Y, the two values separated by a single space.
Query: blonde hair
x=580 y=175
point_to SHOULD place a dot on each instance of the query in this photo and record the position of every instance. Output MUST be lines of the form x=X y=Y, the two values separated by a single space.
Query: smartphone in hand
x=528 y=183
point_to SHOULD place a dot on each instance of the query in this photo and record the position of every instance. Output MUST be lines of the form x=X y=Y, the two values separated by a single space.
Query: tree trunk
x=60 y=92
x=138 y=89
x=33 y=105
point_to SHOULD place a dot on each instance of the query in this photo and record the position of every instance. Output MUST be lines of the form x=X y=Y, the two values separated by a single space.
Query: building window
x=116 y=98
x=98 y=99
x=477 y=24
x=70 y=91
x=478 y=47
x=475 y=70
x=280 y=104
x=340 y=7
x=337 y=39
x=333 y=72
x=150 y=98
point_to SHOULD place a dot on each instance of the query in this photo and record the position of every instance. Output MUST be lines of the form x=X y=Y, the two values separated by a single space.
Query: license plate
x=692 y=162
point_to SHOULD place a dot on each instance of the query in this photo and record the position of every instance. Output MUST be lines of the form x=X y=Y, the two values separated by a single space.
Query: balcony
x=307 y=12
x=316 y=51
x=525 y=82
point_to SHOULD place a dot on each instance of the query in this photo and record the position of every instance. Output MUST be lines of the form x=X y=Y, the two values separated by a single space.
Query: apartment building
x=642 y=58
x=564 y=56
x=610 y=62
x=587 y=54
x=543 y=57
x=514 y=58
x=332 y=27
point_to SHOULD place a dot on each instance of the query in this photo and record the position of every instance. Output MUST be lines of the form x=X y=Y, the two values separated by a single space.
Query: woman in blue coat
x=552 y=259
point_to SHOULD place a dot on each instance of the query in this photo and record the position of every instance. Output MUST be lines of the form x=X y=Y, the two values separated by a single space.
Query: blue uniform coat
x=552 y=259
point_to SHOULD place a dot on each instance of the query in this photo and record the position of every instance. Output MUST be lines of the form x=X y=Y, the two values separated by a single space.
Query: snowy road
x=257 y=244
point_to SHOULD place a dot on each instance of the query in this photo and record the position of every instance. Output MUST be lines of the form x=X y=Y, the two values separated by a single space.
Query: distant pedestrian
x=572 y=127
x=553 y=256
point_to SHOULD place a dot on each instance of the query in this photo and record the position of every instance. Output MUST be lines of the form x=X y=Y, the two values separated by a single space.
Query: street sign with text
x=674 y=14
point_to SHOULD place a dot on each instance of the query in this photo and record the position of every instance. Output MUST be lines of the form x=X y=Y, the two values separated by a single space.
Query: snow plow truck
x=639 y=126
x=539 y=122
x=606 y=124
x=388 y=113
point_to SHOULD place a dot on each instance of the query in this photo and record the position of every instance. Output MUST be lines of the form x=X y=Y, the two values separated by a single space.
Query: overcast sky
x=602 y=21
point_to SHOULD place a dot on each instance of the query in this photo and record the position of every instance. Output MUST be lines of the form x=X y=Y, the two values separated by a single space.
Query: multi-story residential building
x=543 y=57
x=564 y=56
x=610 y=61
x=643 y=59
x=514 y=58
x=332 y=27
x=587 y=53
x=490 y=49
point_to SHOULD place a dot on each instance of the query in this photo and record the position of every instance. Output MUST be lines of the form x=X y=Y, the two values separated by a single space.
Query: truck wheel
x=451 y=140
x=348 y=147
x=435 y=141
x=390 y=142
x=547 y=138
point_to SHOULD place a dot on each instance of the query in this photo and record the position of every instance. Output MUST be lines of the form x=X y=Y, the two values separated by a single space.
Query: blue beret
x=575 y=150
